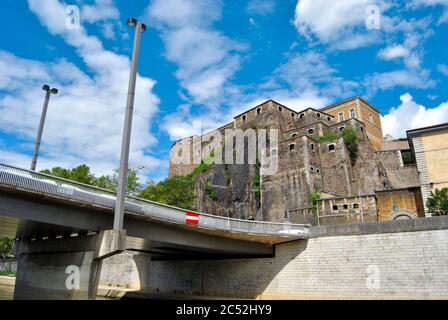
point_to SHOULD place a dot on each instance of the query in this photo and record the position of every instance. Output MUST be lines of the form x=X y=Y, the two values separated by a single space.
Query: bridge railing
x=59 y=187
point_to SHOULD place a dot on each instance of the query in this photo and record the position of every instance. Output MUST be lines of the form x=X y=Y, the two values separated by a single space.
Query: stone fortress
x=379 y=181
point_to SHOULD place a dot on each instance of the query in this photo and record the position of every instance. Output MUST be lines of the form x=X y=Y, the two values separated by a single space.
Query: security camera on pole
x=49 y=91
x=124 y=159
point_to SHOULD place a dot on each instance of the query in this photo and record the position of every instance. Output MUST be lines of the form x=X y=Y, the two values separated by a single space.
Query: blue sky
x=207 y=61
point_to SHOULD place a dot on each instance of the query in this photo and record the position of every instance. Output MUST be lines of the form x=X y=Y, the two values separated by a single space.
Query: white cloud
x=421 y=3
x=206 y=59
x=310 y=72
x=89 y=107
x=339 y=23
x=443 y=68
x=403 y=78
x=393 y=52
x=261 y=7
x=400 y=52
x=444 y=17
x=99 y=11
x=409 y=115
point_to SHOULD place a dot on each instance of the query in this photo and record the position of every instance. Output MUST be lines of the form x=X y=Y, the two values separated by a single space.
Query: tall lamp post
x=49 y=91
x=124 y=158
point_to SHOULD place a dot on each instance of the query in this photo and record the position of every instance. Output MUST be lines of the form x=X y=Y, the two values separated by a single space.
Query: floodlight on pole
x=124 y=158
x=49 y=91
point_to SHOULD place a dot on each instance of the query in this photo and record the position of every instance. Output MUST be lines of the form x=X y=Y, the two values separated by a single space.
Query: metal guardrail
x=41 y=183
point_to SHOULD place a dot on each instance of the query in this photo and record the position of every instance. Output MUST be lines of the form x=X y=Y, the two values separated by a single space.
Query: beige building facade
x=359 y=109
x=430 y=147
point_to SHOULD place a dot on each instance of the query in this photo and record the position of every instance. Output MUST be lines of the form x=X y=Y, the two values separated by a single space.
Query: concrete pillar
x=64 y=269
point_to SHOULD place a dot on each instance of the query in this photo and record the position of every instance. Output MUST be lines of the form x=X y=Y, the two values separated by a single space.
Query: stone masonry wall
x=409 y=265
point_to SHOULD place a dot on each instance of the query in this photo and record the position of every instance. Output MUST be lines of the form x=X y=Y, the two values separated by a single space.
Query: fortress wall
x=405 y=259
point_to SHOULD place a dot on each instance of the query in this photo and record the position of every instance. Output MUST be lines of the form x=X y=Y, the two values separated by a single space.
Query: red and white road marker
x=192 y=218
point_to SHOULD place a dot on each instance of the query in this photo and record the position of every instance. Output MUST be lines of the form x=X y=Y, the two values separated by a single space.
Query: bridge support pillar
x=65 y=268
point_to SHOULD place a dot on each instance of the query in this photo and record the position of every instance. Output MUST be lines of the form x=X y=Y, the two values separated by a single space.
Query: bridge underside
x=36 y=217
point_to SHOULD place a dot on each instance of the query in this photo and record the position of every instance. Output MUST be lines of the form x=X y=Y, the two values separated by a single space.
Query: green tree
x=6 y=245
x=176 y=191
x=82 y=174
x=133 y=186
x=437 y=203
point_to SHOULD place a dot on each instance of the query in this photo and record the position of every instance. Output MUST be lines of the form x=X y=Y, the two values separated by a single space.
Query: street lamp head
x=132 y=22
x=143 y=27
x=54 y=91
x=46 y=87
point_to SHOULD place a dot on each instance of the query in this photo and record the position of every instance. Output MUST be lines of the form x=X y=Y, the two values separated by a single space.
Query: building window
x=355 y=206
x=310 y=131
x=331 y=147
x=258 y=110
x=294 y=135
x=243 y=117
x=341 y=128
x=341 y=116
x=293 y=114
x=312 y=169
x=352 y=113
x=317 y=170
x=362 y=129
x=280 y=109
x=345 y=206
x=292 y=146
x=318 y=115
x=312 y=146
x=335 y=207
x=371 y=118
x=328 y=118
x=301 y=116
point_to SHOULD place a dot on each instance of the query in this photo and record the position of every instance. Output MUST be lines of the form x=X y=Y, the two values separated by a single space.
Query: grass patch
x=8 y=274
x=326 y=136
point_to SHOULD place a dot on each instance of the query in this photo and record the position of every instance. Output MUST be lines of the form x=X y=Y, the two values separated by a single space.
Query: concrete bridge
x=60 y=223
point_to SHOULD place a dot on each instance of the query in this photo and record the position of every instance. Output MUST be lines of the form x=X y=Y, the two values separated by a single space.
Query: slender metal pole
x=40 y=130
x=124 y=158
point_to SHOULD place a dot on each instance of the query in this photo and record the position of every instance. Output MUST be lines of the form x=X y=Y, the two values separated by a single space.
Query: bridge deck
x=41 y=186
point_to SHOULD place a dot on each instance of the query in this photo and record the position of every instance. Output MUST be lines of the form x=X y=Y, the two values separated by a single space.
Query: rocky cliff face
x=228 y=190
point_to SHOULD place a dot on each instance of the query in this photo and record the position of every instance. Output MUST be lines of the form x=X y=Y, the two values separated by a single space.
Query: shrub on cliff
x=177 y=191
x=350 y=136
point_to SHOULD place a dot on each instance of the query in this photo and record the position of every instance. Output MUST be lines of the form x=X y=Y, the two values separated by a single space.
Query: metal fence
x=17 y=178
